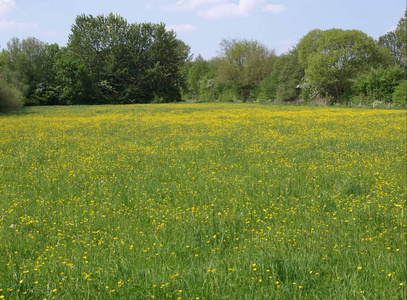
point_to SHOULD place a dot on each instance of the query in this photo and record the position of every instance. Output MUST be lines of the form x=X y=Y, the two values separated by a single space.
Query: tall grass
x=202 y=201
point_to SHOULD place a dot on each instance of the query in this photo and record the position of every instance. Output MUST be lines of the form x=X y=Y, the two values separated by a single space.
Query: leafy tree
x=391 y=41
x=47 y=90
x=266 y=90
x=73 y=82
x=95 y=44
x=401 y=33
x=210 y=88
x=244 y=64
x=287 y=74
x=29 y=66
x=284 y=80
x=128 y=63
x=332 y=59
x=396 y=42
x=24 y=65
x=196 y=76
x=169 y=56
x=308 y=45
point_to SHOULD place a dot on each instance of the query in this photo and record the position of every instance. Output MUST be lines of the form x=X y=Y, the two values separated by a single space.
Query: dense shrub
x=400 y=94
x=266 y=91
x=10 y=97
x=287 y=73
x=377 y=85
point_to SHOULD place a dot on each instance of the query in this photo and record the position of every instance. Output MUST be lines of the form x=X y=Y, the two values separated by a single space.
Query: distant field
x=203 y=201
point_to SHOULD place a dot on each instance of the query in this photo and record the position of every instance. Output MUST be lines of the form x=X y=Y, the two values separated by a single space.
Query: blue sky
x=202 y=24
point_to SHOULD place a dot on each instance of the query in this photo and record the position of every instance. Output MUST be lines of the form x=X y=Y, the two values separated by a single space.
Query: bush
x=266 y=91
x=377 y=85
x=400 y=94
x=287 y=73
x=10 y=97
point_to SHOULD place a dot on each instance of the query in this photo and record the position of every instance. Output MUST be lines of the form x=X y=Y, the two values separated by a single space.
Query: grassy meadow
x=203 y=201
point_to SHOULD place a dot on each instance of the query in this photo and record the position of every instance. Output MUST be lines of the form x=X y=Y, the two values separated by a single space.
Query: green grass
x=202 y=201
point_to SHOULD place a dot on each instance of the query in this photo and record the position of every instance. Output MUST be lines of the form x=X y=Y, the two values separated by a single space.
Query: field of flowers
x=203 y=201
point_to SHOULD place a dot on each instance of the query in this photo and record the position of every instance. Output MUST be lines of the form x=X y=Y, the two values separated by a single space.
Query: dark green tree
x=73 y=82
x=169 y=57
x=128 y=63
x=287 y=74
x=47 y=89
x=96 y=43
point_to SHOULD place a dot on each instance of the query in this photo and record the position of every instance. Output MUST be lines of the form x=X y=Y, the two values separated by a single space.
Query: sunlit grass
x=202 y=201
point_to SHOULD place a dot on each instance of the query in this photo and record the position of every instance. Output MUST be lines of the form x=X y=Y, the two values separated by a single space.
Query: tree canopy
x=129 y=63
x=333 y=58
x=110 y=61
x=244 y=64
x=396 y=42
x=107 y=60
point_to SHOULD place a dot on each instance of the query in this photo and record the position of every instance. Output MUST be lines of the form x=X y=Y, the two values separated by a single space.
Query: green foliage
x=333 y=58
x=96 y=48
x=30 y=66
x=401 y=32
x=129 y=63
x=391 y=42
x=25 y=65
x=396 y=42
x=170 y=55
x=227 y=93
x=47 y=91
x=378 y=84
x=73 y=81
x=197 y=77
x=287 y=73
x=207 y=88
x=266 y=91
x=399 y=96
x=107 y=60
x=203 y=83
x=111 y=61
x=244 y=64
x=10 y=97
x=308 y=45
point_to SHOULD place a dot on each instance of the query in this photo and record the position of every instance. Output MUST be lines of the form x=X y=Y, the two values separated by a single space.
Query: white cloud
x=182 y=27
x=9 y=25
x=6 y=6
x=213 y=9
x=243 y=8
x=194 y=4
x=275 y=8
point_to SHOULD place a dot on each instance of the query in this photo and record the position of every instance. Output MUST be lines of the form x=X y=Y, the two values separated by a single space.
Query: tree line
x=110 y=61
x=106 y=61
x=335 y=66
